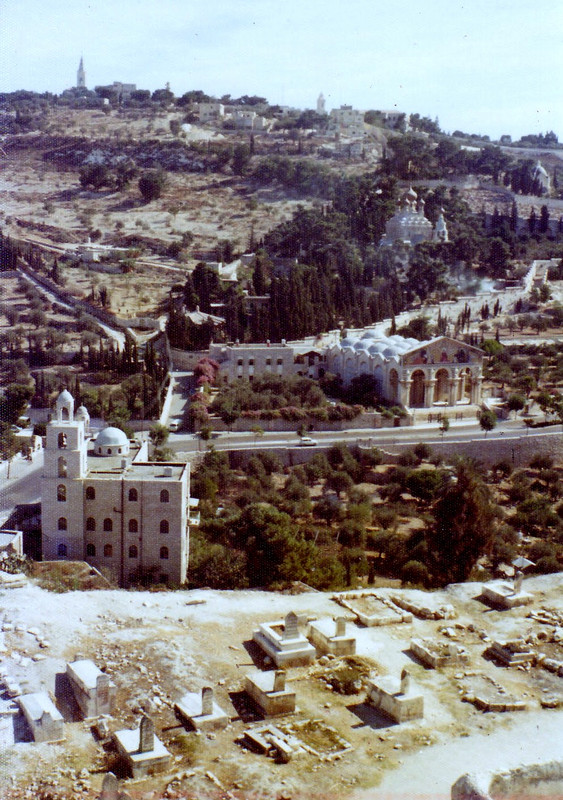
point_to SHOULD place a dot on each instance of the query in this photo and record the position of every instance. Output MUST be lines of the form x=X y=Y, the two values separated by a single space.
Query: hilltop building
x=102 y=501
x=409 y=224
x=81 y=75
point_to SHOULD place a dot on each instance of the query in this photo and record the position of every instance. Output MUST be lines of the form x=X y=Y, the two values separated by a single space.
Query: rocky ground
x=157 y=646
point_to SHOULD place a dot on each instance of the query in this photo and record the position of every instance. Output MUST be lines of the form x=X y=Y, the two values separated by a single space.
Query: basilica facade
x=436 y=374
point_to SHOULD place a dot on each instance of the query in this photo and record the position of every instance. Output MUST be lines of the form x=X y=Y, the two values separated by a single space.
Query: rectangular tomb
x=141 y=750
x=284 y=643
x=44 y=719
x=373 y=610
x=438 y=654
x=93 y=690
x=505 y=595
x=424 y=605
x=268 y=690
x=488 y=695
x=512 y=654
x=396 y=698
x=201 y=711
x=329 y=636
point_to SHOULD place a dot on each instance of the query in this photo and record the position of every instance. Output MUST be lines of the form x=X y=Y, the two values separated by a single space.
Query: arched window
x=164 y=552
x=90 y=524
x=108 y=525
x=133 y=495
x=61 y=551
x=164 y=526
x=62 y=467
x=61 y=493
x=62 y=524
x=133 y=552
x=61 y=441
x=108 y=551
x=165 y=496
x=90 y=550
x=90 y=493
x=133 y=526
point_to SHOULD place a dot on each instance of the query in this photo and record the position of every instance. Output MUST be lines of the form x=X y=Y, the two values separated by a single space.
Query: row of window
x=240 y=362
x=132 y=526
x=133 y=494
x=108 y=551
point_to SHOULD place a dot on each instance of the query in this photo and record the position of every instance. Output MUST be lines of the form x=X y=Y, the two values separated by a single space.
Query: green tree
x=151 y=184
x=464 y=526
x=487 y=420
x=241 y=158
x=158 y=434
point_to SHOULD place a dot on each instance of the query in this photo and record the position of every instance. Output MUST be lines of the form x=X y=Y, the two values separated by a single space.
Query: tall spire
x=81 y=75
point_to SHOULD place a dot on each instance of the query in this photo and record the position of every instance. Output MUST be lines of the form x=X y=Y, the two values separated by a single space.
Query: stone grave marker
x=146 y=735
x=291 y=628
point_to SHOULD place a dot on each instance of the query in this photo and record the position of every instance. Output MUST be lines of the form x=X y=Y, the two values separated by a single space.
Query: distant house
x=210 y=112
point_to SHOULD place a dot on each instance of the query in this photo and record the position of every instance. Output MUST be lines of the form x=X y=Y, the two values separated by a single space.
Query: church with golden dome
x=410 y=226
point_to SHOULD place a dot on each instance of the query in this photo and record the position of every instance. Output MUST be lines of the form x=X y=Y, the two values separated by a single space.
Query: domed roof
x=369 y=335
x=347 y=342
x=375 y=349
x=111 y=437
x=360 y=345
x=389 y=352
x=65 y=397
x=82 y=413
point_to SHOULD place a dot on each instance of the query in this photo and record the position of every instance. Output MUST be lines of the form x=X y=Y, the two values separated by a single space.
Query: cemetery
x=403 y=688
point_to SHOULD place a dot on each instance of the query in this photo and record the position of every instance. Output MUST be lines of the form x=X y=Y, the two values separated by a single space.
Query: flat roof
x=86 y=672
x=36 y=704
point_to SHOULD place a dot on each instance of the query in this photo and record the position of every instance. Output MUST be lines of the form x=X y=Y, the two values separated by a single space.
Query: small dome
x=82 y=413
x=64 y=398
x=369 y=335
x=360 y=345
x=375 y=349
x=389 y=352
x=113 y=437
x=347 y=342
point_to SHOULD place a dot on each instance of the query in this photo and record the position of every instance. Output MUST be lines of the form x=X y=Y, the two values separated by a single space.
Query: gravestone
x=518 y=578
x=146 y=735
x=279 y=680
x=341 y=626
x=110 y=787
x=405 y=681
x=291 y=628
x=102 y=693
x=206 y=701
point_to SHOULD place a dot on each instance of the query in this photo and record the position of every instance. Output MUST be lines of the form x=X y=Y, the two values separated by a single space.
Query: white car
x=306 y=441
x=174 y=425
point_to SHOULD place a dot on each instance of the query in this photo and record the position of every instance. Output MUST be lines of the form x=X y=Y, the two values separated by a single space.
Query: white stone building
x=347 y=119
x=439 y=373
x=102 y=501
x=211 y=111
x=250 y=360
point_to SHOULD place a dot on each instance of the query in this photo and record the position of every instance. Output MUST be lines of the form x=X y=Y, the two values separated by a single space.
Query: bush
x=415 y=572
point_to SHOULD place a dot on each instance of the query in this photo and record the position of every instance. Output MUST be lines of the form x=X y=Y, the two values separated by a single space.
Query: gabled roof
x=455 y=342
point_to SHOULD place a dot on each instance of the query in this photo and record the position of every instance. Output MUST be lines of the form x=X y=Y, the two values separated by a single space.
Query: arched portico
x=417 y=390
x=442 y=388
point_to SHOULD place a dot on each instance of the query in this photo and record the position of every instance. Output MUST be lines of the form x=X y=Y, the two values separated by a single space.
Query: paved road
x=459 y=432
x=23 y=485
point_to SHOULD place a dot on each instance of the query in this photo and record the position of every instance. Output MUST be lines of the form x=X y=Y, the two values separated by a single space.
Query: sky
x=480 y=66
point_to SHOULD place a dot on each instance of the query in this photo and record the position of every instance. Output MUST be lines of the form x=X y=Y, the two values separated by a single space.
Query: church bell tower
x=81 y=75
